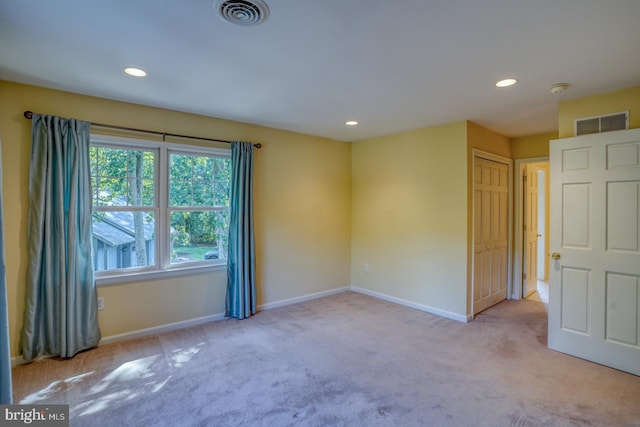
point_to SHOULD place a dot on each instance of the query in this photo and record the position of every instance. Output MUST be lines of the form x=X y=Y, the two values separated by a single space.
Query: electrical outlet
x=366 y=268
x=100 y=303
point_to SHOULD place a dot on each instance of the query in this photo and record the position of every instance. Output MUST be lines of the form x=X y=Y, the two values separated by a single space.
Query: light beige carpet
x=344 y=360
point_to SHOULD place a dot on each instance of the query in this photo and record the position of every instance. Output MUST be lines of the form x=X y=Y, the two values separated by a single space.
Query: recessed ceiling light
x=506 y=82
x=135 y=72
x=351 y=123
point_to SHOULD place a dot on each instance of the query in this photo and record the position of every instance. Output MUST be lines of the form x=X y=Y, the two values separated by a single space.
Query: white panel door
x=594 y=290
x=491 y=210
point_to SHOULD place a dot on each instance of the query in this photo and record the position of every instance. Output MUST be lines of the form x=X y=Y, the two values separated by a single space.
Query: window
x=158 y=207
x=198 y=206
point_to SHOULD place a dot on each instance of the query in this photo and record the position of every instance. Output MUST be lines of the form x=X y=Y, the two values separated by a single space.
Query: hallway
x=541 y=293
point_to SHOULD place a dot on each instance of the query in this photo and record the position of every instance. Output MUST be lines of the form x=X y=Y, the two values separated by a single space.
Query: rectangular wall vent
x=598 y=124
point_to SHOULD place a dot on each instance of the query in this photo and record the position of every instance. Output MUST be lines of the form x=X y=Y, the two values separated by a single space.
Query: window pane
x=180 y=185
x=108 y=192
x=203 y=196
x=198 y=180
x=122 y=177
x=123 y=239
x=198 y=235
x=180 y=193
x=203 y=168
x=221 y=193
x=180 y=167
x=222 y=186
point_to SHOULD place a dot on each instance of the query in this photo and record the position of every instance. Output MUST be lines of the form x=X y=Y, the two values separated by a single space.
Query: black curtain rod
x=29 y=115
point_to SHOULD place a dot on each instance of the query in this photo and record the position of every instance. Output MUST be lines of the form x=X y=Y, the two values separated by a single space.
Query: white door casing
x=543 y=220
x=530 y=227
x=517 y=289
x=594 y=291
x=491 y=231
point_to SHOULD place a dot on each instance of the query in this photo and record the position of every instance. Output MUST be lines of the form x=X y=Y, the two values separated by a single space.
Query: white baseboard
x=303 y=298
x=421 y=307
x=211 y=318
x=161 y=328
x=141 y=333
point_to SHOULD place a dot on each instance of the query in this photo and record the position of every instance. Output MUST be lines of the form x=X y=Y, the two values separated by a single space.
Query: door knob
x=555 y=256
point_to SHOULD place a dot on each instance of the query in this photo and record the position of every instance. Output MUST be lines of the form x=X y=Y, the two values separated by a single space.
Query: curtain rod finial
x=28 y=114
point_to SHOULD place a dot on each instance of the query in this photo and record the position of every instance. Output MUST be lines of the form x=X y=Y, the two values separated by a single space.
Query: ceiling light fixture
x=135 y=72
x=351 y=123
x=506 y=82
x=559 y=87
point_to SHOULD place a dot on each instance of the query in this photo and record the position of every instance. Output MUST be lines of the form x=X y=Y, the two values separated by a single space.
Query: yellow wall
x=532 y=146
x=481 y=138
x=302 y=196
x=410 y=216
x=606 y=103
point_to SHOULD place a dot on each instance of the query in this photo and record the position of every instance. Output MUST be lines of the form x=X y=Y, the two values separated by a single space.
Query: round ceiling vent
x=242 y=12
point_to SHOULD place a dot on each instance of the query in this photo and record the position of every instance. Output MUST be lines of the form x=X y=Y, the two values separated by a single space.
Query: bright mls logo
x=35 y=415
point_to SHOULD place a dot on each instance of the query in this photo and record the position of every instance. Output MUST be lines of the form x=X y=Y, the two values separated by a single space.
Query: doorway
x=531 y=260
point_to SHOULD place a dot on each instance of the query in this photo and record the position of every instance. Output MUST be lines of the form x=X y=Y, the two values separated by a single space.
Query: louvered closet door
x=594 y=289
x=491 y=198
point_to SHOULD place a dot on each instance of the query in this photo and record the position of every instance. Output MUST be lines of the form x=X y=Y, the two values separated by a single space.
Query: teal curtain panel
x=5 y=352
x=61 y=313
x=241 y=292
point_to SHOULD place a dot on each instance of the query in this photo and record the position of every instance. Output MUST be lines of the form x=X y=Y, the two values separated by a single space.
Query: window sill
x=139 y=276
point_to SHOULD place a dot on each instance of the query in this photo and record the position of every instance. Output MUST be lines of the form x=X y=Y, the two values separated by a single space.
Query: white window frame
x=163 y=267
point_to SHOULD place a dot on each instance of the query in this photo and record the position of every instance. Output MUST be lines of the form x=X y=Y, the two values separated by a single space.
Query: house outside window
x=157 y=207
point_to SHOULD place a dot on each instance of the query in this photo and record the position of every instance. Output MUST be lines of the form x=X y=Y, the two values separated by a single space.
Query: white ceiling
x=393 y=65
